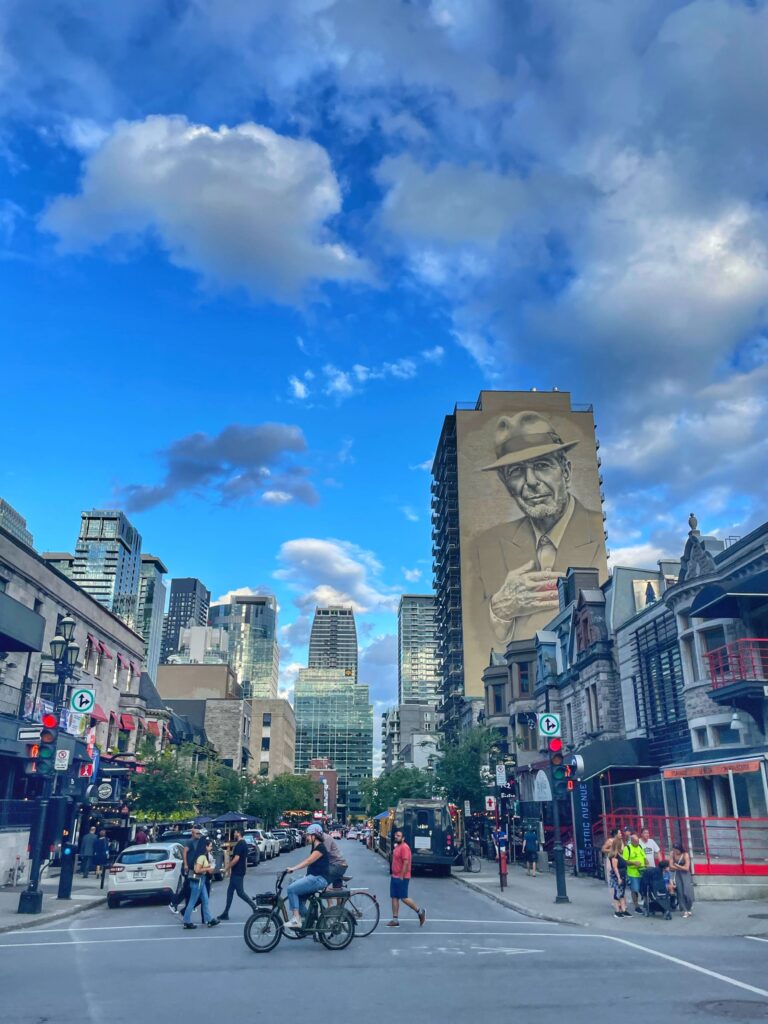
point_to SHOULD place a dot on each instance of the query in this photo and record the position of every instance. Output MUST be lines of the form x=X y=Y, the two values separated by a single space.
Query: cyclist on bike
x=315 y=880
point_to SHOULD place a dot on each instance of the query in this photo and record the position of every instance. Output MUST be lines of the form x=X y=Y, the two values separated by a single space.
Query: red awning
x=136 y=668
x=127 y=722
x=123 y=662
x=112 y=716
x=104 y=649
x=98 y=714
x=93 y=641
x=154 y=728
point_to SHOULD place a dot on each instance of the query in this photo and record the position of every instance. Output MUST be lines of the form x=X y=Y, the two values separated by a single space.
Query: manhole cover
x=736 y=1009
x=759 y=917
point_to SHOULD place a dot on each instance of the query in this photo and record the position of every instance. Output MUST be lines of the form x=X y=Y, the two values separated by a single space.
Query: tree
x=400 y=784
x=269 y=799
x=458 y=772
x=222 y=790
x=165 y=787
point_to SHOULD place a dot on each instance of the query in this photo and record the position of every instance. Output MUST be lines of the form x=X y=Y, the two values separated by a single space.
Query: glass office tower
x=151 y=606
x=107 y=561
x=418 y=677
x=334 y=720
x=188 y=606
x=333 y=640
x=251 y=625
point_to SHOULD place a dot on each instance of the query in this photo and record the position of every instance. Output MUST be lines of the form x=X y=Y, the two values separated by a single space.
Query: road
x=473 y=960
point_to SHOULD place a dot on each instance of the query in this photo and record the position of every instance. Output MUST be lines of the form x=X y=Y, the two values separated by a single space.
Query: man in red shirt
x=398 y=883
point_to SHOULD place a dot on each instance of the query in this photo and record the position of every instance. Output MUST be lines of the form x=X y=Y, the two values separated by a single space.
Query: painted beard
x=544 y=509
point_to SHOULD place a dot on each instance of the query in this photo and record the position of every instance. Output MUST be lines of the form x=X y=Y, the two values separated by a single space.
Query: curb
x=32 y=920
x=504 y=901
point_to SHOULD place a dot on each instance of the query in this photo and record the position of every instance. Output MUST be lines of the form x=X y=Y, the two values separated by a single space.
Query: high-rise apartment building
x=150 y=610
x=201 y=645
x=516 y=501
x=107 y=561
x=333 y=640
x=14 y=523
x=187 y=606
x=334 y=720
x=417 y=668
x=251 y=625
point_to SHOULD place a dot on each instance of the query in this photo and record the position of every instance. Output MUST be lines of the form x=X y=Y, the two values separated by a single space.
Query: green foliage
x=222 y=790
x=386 y=790
x=458 y=770
x=270 y=799
x=165 y=787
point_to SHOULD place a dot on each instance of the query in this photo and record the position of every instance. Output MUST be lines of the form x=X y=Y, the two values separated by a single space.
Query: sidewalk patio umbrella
x=230 y=818
x=203 y=819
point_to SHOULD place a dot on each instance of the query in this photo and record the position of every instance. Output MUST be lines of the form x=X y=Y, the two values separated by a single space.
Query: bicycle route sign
x=82 y=700
x=549 y=724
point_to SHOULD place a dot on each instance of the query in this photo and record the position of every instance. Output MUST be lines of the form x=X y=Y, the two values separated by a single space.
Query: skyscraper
x=14 y=523
x=334 y=720
x=150 y=609
x=188 y=606
x=251 y=625
x=333 y=640
x=107 y=561
x=417 y=670
x=515 y=503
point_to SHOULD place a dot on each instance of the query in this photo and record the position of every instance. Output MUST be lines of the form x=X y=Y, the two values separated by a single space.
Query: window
x=497 y=700
x=266 y=718
x=526 y=739
x=593 y=710
x=725 y=735
x=3 y=584
x=38 y=605
x=524 y=676
x=569 y=720
x=265 y=743
x=700 y=738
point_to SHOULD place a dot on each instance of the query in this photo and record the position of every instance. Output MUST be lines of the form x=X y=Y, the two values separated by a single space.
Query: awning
x=724 y=601
x=98 y=714
x=127 y=722
x=112 y=716
x=382 y=816
x=136 y=668
x=104 y=649
x=93 y=641
x=614 y=755
x=154 y=728
x=123 y=662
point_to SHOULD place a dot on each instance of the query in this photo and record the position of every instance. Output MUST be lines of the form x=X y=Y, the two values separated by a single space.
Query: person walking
x=189 y=850
x=101 y=853
x=400 y=880
x=530 y=851
x=634 y=855
x=201 y=869
x=318 y=868
x=618 y=876
x=141 y=838
x=681 y=868
x=238 y=865
x=87 y=850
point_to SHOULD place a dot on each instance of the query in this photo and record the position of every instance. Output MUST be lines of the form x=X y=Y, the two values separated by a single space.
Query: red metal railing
x=745 y=659
x=718 y=846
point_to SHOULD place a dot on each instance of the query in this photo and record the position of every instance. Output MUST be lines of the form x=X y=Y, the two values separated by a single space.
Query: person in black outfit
x=190 y=849
x=237 y=868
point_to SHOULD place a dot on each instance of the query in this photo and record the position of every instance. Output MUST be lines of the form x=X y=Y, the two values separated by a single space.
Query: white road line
x=755 y=938
x=136 y=927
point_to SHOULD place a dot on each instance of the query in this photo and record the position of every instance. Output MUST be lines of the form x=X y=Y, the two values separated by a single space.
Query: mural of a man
x=516 y=564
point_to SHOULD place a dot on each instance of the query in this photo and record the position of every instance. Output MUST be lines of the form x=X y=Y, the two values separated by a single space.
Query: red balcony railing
x=741 y=660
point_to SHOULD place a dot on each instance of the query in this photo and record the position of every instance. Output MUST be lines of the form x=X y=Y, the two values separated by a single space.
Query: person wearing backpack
x=201 y=869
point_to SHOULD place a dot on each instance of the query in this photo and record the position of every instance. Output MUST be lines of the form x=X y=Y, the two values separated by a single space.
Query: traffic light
x=33 y=753
x=49 y=737
x=557 y=769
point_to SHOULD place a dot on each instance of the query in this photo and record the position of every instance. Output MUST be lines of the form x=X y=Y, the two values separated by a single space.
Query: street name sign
x=61 y=762
x=549 y=725
x=82 y=700
x=29 y=733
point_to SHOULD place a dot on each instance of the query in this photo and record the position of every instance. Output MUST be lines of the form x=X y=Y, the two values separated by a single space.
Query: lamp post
x=64 y=653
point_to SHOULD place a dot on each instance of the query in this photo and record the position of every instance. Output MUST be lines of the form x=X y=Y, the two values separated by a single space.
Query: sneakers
x=190 y=926
x=639 y=910
x=394 y=923
x=173 y=909
x=618 y=913
x=224 y=916
x=292 y=925
x=422 y=917
x=625 y=913
x=213 y=922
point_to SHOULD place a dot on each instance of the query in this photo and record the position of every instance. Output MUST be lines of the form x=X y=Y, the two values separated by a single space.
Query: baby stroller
x=656 y=899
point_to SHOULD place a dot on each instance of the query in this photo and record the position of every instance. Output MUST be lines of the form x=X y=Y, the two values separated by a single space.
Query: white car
x=275 y=844
x=269 y=847
x=153 y=869
x=352 y=834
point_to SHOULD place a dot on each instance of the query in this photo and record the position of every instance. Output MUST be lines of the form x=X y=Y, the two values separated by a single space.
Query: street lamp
x=64 y=653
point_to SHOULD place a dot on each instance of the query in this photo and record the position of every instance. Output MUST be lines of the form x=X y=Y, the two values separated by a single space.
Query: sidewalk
x=85 y=895
x=591 y=907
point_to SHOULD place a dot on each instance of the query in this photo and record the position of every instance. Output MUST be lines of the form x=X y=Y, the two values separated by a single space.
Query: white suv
x=153 y=869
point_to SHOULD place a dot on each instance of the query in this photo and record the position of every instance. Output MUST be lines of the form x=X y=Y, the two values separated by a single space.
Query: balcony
x=739 y=674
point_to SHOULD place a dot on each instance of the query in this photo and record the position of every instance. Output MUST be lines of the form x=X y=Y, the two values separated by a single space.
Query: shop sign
x=695 y=771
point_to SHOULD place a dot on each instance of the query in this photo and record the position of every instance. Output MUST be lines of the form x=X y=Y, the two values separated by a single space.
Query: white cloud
x=344 y=383
x=276 y=498
x=412 y=575
x=337 y=382
x=240 y=592
x=333 y=572
x=639 y=556
x=426 y=465
x=241 y=206
x=298 y=388
x=409 y=514
x=433 y=355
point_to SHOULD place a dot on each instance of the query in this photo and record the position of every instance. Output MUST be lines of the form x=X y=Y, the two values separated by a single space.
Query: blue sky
x=251 y=254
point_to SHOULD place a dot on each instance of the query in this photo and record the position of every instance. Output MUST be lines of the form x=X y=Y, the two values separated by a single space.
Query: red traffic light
x=555 y=744
x=50 y=722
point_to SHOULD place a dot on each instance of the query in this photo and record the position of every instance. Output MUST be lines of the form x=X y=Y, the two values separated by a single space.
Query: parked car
x=364 y=835
x=336 y=834
x=272 y=838
x=258 y=836
x=217 y=852
x=352 y=834
x=298 y=836
x=152 y=869
x=285 y=839
x=254 y=850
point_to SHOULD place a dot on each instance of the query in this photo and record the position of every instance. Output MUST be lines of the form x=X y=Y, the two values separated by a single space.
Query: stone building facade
x=273 y=738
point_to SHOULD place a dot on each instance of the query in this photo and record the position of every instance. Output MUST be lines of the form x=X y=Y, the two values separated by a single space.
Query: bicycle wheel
x=364 y=907
x=336 y=928
x=262 y=931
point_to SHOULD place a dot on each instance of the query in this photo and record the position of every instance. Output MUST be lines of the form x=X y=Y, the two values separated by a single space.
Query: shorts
x=398 y=888
x=634 y=883
x=531 y=857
